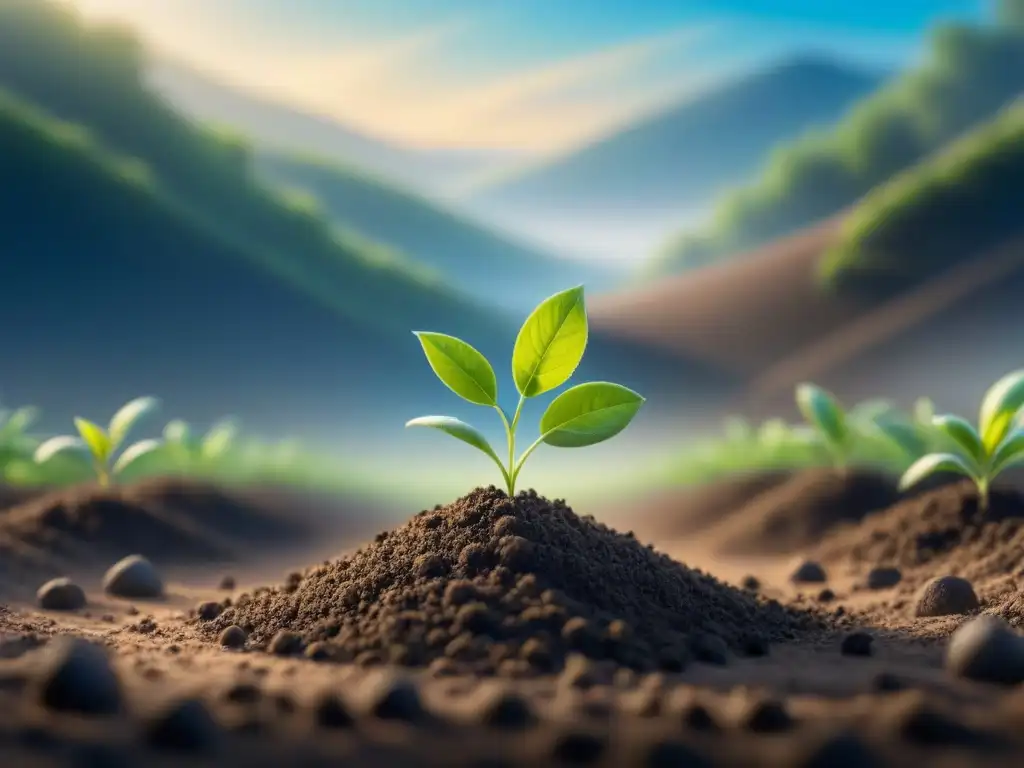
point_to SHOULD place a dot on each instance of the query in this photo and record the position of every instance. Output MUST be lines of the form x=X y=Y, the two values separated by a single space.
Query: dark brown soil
x=510 y=587
x=794 y=514
x=167 y=520
x=11 y=495
x=943 y=524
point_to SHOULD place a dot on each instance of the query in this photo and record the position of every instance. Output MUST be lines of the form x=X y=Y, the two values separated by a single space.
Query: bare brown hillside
x=741 y=316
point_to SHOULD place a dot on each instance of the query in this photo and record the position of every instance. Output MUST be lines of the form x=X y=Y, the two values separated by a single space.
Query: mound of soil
x=167 y=520
x=496 y=585
x=943 y=529
x=794 y=514
x=11 y=496
x=684 y=512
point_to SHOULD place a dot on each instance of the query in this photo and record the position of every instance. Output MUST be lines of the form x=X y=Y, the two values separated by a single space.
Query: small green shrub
x=547 y=351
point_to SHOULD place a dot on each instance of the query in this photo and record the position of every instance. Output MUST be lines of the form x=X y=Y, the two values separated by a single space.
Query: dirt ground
x=493 y=633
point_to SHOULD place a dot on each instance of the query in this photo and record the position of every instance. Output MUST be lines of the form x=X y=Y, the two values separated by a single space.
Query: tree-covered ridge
x=970 y=73
x=55 y=66
x=948 y=209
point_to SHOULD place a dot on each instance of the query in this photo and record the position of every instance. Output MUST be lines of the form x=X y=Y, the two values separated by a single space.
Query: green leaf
x=1008 y=453
x=822 y=411
x=218 y=439
x=871 y=410
x=177 y=432
x=932 y=463
x=963 y=434
x=999 y=408
x=463 y=369
x=459 y=430
x=903 y=436
x=126 y=417
x=136 y=452
x=588 y=414
x=19 y=421
x=924 y=410
x=95 y=438
x=551 y=343
x=64 y=444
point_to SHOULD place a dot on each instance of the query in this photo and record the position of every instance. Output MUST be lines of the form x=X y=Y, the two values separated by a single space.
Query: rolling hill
x=472 y=257
x=675 y=160
x=142 y=255
x=968 y=76
x=903 y=295
x=277 y=126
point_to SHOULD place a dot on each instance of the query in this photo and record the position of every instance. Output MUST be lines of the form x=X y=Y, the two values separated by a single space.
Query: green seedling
x=189 y=451
x=982 y=453
x=826 y=416
x=98 y=446
x=547 y=351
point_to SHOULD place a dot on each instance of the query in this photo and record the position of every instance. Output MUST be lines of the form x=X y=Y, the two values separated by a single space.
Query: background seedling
x=189 y=452
x=99 y=446
x=982 y=453
x=547 y=351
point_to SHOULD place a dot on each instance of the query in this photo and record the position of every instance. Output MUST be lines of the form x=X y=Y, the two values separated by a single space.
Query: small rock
x=186 y=726
x=233 y=637
x=78 y=678
x=227 y=583
x=766 y=716
x=697 y=716
x=133 y=577
x=285 y=643
x=209 y=610
x=826 y=595
x=751 y=583
x=986 y=649
x=397 y=699
x=60 y=595
x=808 y=572
x=318 y=651
x=883 y=577
x=946 y=596
x=856 y=644
x=507 y=710
x=330 y=712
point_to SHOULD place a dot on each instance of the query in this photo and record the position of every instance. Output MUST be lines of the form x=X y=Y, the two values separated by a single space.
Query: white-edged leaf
x=218 y=439
x=931 y=464
x=1008 y=453
x=127 y=416
x=588 y=414
x=18 y=421
x=461 y=367
x=904 y=436
x=63 y=445
x=822 y=410
x=551 y=343
x=136 y=452
x=458 y=429
x=965 y=436
x=871 y=410
x=178 y=432
x=999 y=408
x=97 y=441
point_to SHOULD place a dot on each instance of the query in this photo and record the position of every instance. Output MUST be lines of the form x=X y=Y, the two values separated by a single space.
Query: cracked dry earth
x=492 y=632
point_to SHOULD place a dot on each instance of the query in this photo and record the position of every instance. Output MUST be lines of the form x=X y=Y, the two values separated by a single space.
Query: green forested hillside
x=90 y=77
x=953 y=207
x=471 y=257
x=969 y=75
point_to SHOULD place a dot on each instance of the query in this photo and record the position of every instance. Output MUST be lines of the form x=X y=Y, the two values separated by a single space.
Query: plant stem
x=983 y=494
x=512 y=447
x=102 y=476
x=522 y=459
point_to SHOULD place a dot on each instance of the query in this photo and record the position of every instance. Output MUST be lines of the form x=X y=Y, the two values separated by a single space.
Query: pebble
x=397 y=699
x=209 y=610
x=946 y=596
x=60 y=595
x=233 y=637
x=883 y=577
x=507 y=710
x=331 y=712
x=185 y=726
x=857 y=644
x=77 y=677
x=808 y=572
x=987 y=650
x=133 y=577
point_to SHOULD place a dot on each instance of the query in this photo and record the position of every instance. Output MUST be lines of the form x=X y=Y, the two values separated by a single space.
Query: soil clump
x=494 y=585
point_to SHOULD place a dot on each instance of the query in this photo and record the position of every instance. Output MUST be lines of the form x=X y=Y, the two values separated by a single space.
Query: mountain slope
x=676 y=158
x=471 y=257
x=970 y=74
x=275 y=125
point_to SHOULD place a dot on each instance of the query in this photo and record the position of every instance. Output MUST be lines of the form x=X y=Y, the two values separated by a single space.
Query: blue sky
x=534 y=75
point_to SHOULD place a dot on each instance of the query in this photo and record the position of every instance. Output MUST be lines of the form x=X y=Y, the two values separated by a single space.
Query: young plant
x=547 y=351
x=823 y=413
x=982 y=453
x=189 y=451
x=98 y=446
